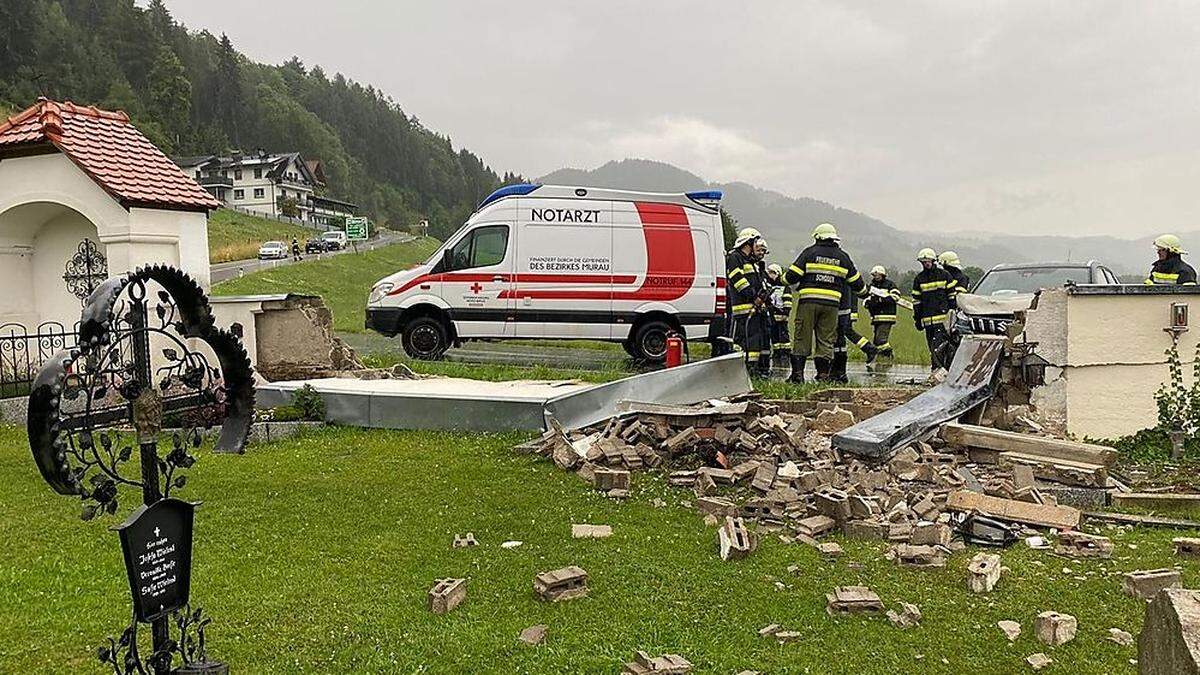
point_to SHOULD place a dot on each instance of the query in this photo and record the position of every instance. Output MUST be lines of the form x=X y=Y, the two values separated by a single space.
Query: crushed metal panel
x=720 y=377
x=969 y=383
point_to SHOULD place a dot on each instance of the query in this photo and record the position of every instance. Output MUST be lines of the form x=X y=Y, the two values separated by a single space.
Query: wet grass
x=315 y=554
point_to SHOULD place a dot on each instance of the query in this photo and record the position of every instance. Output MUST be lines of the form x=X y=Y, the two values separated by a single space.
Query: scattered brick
x=534 y=635
x=908 y=616
x=1011 y=629
x=931 y=534
x=1146 y=584
x=786 y=636
x=447 y=594
x=769 y=629
x=1082 y=545
x=1038 y=661
x=830 y=549
x=583 y=531
x=815 y=526
x=734 y=540
x=607 y=480
x=717 y=506
x=852 y=600
x=1055 y=628
x=1187 y=547
x=922 y=557
x=463 y=541
x=562 y=584
x=983 y=572
x=667 y=664
x=1123 y=638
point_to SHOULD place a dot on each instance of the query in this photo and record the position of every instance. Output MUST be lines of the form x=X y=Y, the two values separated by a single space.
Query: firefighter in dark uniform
x=847 y=335
x=931 y=305
x=823 y=273
x=1170 y=268
x=744 y=288
x=763 y=312
x=882 y=300
x=962 y=283
x=781 y=314
x=295 y=249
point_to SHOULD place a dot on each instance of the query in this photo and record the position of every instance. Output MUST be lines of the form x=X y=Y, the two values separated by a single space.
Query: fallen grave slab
x=1169 y=643
x=1059 y=517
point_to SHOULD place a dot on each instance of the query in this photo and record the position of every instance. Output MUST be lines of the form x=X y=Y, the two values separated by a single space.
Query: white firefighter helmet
x=747 y=234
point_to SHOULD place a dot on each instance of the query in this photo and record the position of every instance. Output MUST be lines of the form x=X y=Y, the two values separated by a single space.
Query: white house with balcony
x=263 y=182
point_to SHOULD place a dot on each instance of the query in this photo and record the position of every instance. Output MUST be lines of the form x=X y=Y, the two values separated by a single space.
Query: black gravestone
x=157 y=544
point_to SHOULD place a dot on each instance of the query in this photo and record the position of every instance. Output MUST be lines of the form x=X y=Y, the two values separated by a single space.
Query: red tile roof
x=111 y=151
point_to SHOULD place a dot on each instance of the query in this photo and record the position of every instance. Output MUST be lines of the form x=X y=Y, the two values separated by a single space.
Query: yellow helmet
x=825 y=231
x=926 y=254
x=774 y=268
x=1169 y=242
x=880 y=270
x=950 y=258
x=747 y=234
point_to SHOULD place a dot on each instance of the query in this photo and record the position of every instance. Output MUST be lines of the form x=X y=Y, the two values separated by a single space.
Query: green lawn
x=344 y=281
x=315 y=554
x=233 y=235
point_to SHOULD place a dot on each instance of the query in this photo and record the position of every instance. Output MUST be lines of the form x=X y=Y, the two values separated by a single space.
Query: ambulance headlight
x=379 y=291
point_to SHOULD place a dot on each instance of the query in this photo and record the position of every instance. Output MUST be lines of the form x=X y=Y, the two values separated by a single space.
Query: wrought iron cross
x=85 y=270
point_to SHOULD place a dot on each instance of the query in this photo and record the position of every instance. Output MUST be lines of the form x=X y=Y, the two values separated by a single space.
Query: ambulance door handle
x=498 y=278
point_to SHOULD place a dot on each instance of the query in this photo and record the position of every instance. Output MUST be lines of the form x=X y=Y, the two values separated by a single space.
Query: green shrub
x=309 y=403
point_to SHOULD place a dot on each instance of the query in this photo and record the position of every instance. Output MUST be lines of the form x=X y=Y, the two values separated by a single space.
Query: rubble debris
x=716 y=506
x=667 y=664
x=833 y=421
x=447 y=594
x=1146 y=584
x=769 y=630
x=852 y=600
x=1059 y=517
x=704 y=484
x=1169 y=643
x=511 y=544
x=1157 y=501
x=1038 y=661
x=584 y=531
x=734 y=540
x=1082 y=545
x=815 y=526
x=608 y=480
x=562 y=584
x=931 y=534
x=463 y=541
x=1055 y=628
x=1011 y=629
x=921 y=557
x=986 y=445
x=534 y=635
x=983 y=572
x=786 y=636
x=830 y=549
x=908 y=616
x=1123 y=638
x=1187 y=547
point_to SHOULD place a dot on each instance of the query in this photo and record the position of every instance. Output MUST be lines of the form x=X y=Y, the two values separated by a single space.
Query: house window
x=258 y=193
x=258 y=172
x=239 y=194
x=237 y=175
x=198 y=174
x=283 y=194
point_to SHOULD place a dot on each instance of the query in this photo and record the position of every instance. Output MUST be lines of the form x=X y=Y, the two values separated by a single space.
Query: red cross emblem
x=475 y=288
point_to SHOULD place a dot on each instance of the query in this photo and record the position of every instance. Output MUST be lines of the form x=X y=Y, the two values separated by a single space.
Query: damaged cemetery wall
x=1107 y=350
x=288 y=337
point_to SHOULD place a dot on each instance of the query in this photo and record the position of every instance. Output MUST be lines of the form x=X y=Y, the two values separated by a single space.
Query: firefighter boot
x=822 y=369
x=764 y=365
x=797 y=376
x=871 y=351
x=838 y=372
x=779 y=360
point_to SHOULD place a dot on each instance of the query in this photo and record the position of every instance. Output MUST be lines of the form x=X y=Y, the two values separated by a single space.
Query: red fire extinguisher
x=674 y=350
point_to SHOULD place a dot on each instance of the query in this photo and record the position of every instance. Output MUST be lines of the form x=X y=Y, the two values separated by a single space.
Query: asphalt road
x=236 y=268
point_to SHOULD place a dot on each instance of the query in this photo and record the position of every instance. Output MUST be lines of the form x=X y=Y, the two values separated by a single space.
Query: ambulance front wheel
x=426 y=338
x=650 y=341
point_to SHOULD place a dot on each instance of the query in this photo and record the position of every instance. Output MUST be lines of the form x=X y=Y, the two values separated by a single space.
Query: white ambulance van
x=557 y=262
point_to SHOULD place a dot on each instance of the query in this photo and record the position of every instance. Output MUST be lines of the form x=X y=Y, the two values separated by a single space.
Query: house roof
x=110 y=150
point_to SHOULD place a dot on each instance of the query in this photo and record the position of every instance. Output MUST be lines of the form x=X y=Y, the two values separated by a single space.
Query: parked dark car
x=315 y=246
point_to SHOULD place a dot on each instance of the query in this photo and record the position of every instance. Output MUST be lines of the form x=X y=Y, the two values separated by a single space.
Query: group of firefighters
x=827 y=288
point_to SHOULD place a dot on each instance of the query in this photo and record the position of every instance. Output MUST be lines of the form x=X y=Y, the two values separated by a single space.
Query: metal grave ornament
x=150 y=370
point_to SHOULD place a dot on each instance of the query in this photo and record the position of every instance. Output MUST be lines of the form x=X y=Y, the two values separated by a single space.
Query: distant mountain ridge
x=786 y=222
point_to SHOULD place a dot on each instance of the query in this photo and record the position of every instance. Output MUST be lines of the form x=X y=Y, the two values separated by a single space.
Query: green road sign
x=356 y=228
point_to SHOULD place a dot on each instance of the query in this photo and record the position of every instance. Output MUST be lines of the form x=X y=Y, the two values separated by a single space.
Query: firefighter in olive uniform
x=962 y=283
x=882 y=299
x=823 y=273
x=744 y=288
x=1170 y=268
x=781 y=314
x=931 y=305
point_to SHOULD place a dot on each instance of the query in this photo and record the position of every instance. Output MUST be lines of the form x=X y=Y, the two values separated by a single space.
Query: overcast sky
x=1024 y=117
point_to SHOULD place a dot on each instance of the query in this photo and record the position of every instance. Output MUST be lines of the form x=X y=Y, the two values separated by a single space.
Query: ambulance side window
x=483 y=247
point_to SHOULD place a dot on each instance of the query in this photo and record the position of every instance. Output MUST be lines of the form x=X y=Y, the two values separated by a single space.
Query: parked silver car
x=272 y=250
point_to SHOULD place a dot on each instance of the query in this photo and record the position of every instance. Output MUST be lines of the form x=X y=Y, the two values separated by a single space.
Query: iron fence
x=23 y=351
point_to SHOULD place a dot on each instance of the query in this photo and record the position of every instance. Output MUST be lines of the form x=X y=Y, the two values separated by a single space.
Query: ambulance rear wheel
x=650 y=341
x=425 y=338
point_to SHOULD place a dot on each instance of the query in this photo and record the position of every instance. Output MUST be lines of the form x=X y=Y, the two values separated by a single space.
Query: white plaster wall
x=55 y=243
